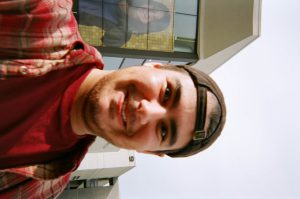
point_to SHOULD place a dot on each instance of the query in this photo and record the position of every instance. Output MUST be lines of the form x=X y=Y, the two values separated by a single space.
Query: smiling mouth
x=123 y=111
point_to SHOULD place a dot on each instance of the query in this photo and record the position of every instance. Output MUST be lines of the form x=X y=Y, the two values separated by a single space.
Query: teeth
x=123 y=110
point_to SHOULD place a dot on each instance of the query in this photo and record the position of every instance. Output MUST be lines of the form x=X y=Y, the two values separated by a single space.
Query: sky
x=258 y=154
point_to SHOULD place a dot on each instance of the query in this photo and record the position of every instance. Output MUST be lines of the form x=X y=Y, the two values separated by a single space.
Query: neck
x=77 y=121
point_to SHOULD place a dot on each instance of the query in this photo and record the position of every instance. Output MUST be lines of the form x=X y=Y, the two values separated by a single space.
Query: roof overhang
x=225 y=28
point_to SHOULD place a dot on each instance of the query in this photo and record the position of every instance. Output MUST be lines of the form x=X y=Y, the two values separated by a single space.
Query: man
x=54 y=100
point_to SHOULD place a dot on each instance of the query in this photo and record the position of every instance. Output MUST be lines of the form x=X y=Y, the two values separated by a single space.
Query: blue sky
x=258 y=154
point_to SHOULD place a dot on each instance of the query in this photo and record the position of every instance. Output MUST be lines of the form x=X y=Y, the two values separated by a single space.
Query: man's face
x=143 y=108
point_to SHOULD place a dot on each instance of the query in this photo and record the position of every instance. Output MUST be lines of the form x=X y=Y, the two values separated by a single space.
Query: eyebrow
x=174 y=135
x=175 y=102
x=177 y=93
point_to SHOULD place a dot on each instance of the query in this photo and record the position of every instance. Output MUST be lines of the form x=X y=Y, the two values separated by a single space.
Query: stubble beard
x=92 y=110
x=92 y=113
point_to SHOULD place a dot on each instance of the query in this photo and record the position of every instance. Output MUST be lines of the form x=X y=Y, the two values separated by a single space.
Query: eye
x=167 y=94
x=163 y=131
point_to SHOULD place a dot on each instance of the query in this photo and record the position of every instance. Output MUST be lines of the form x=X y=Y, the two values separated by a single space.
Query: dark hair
x=216 y=118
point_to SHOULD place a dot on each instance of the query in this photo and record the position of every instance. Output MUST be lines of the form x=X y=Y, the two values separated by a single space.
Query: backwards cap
x=201 y=138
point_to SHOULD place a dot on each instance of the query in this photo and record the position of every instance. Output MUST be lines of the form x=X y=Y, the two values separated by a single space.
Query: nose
x=150 y=111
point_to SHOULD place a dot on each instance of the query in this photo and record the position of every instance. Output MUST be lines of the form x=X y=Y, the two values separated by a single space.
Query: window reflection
x=185 y=38
x=155 y=25
x=112 y=63
x=132 y=62
x=125 y=23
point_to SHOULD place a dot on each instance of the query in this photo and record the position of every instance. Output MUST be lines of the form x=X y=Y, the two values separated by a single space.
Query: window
x=147 y=29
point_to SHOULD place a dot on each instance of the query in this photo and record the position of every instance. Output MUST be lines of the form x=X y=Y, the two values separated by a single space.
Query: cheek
x=145 y=139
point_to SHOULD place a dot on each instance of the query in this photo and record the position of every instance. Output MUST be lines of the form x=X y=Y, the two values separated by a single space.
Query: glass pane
x=90 y=23
x=157 y=61
x=185 y=32
x=137 y=27
x=132 y=62
x=112 y=63
x=162 y=5
x=178 y=63
x=186 y=7
x=161 y=17
x=114 y=23
x=185 y=26
x=139 y=3
x=163 y=39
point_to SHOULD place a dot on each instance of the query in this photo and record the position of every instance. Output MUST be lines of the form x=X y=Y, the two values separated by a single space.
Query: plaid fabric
x=43 y=180
x=36 y=37
x=17 y=186
x=40 y=36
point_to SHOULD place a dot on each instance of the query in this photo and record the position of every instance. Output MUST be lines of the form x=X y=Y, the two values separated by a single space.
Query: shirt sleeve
x=14 y=185
x=43 y=29
x=38 y=36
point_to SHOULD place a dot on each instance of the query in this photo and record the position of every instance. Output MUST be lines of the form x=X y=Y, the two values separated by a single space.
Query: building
x=97 y=175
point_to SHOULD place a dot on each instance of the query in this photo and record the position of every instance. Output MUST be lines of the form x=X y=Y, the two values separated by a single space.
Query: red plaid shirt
x=38 y=36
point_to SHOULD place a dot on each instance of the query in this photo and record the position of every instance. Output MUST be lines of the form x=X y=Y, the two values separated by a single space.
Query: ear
x=153 y=64
x=160 y=154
